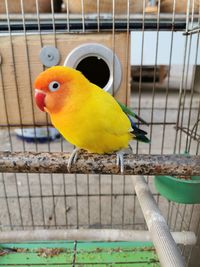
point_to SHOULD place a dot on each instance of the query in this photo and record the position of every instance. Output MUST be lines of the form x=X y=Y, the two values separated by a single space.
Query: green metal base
x=98 y=254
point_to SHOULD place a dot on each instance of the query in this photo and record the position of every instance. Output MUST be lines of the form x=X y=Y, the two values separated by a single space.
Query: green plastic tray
x=88 y=254
x=179 y=190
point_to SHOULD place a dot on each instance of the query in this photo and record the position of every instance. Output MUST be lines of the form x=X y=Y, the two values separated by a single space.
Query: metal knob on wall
x=98 y=63
x=49 y=56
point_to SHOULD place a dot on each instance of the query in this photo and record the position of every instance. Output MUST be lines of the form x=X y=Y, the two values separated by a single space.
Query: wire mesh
x=170 y=105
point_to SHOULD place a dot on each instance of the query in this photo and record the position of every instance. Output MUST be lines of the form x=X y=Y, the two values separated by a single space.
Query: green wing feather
x=131 y=113
x=139 y=134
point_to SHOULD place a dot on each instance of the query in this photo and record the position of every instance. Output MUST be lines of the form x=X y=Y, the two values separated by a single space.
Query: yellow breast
x=96 y=124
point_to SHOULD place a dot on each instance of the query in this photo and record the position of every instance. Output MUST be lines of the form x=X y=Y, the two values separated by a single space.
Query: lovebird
x=87 y=116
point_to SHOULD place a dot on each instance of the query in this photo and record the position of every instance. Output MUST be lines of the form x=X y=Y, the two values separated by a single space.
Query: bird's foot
x=73 y=157
x=120 y=158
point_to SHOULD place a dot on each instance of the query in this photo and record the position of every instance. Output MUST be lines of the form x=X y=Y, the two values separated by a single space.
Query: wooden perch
x=44 y=162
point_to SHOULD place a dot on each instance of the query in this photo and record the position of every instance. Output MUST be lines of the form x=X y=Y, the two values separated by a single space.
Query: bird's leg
x=120 y=158
x=73 y=157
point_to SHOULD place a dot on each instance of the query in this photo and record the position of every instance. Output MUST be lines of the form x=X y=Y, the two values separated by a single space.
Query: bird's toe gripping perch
x=120 y=161
x=73 y=157
x=120 y=158
x=119 y=155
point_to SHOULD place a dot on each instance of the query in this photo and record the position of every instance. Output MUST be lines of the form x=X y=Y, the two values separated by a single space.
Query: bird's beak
x=40 y=99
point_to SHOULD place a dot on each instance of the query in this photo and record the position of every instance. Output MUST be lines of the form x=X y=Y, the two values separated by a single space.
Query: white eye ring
x=54 y=86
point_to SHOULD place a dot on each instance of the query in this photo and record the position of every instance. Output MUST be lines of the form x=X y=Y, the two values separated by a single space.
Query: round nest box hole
x=98 y=64
x=95 y=69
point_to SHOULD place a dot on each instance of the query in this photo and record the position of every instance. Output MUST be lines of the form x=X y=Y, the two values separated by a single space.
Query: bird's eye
x=54 y=86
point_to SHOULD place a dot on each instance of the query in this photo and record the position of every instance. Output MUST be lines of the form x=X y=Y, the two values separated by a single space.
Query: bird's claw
x=120 y=158
x=120 y=161
x=72 y=159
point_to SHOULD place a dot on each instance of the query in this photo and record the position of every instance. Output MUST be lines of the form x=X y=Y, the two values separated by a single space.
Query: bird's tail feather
x=139 y=134
x=142 y=138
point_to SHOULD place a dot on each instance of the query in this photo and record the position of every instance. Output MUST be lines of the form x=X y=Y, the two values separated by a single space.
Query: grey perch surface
x=44 y=162
x=106 y=235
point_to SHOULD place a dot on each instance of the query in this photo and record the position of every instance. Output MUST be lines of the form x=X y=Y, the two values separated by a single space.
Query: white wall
x=164 y=42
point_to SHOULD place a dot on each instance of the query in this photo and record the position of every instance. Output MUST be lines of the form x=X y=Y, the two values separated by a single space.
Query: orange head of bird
x=53 y=86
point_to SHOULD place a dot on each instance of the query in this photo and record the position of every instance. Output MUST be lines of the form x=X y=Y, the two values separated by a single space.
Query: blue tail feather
x=139 y=134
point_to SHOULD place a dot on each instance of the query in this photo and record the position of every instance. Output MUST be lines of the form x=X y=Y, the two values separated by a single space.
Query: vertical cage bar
x=18 y=103
x=98 y=15
x=186 y=82
x=168 y=79
x=6 y=200
x=83 y=16
x=141 y=64
x=181 y=90
x=67 y=11
x=99 y=183
x=39 y=175
x=111 y=201
x=154 y=77
x=31 y=96
x=88 y=198
x=77 y=206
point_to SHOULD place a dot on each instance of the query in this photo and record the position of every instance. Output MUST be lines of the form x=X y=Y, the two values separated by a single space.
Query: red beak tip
x=40 y=100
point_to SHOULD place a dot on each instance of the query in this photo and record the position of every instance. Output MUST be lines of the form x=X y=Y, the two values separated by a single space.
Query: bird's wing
x=139 y=134
x=131 y=113
x=108 y=114
x=113 y=117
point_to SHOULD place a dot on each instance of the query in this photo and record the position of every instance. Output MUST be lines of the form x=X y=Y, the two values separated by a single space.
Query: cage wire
x=166 y=95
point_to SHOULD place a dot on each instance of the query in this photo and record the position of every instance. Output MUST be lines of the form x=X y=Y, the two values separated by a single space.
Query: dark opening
x=95 y=70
